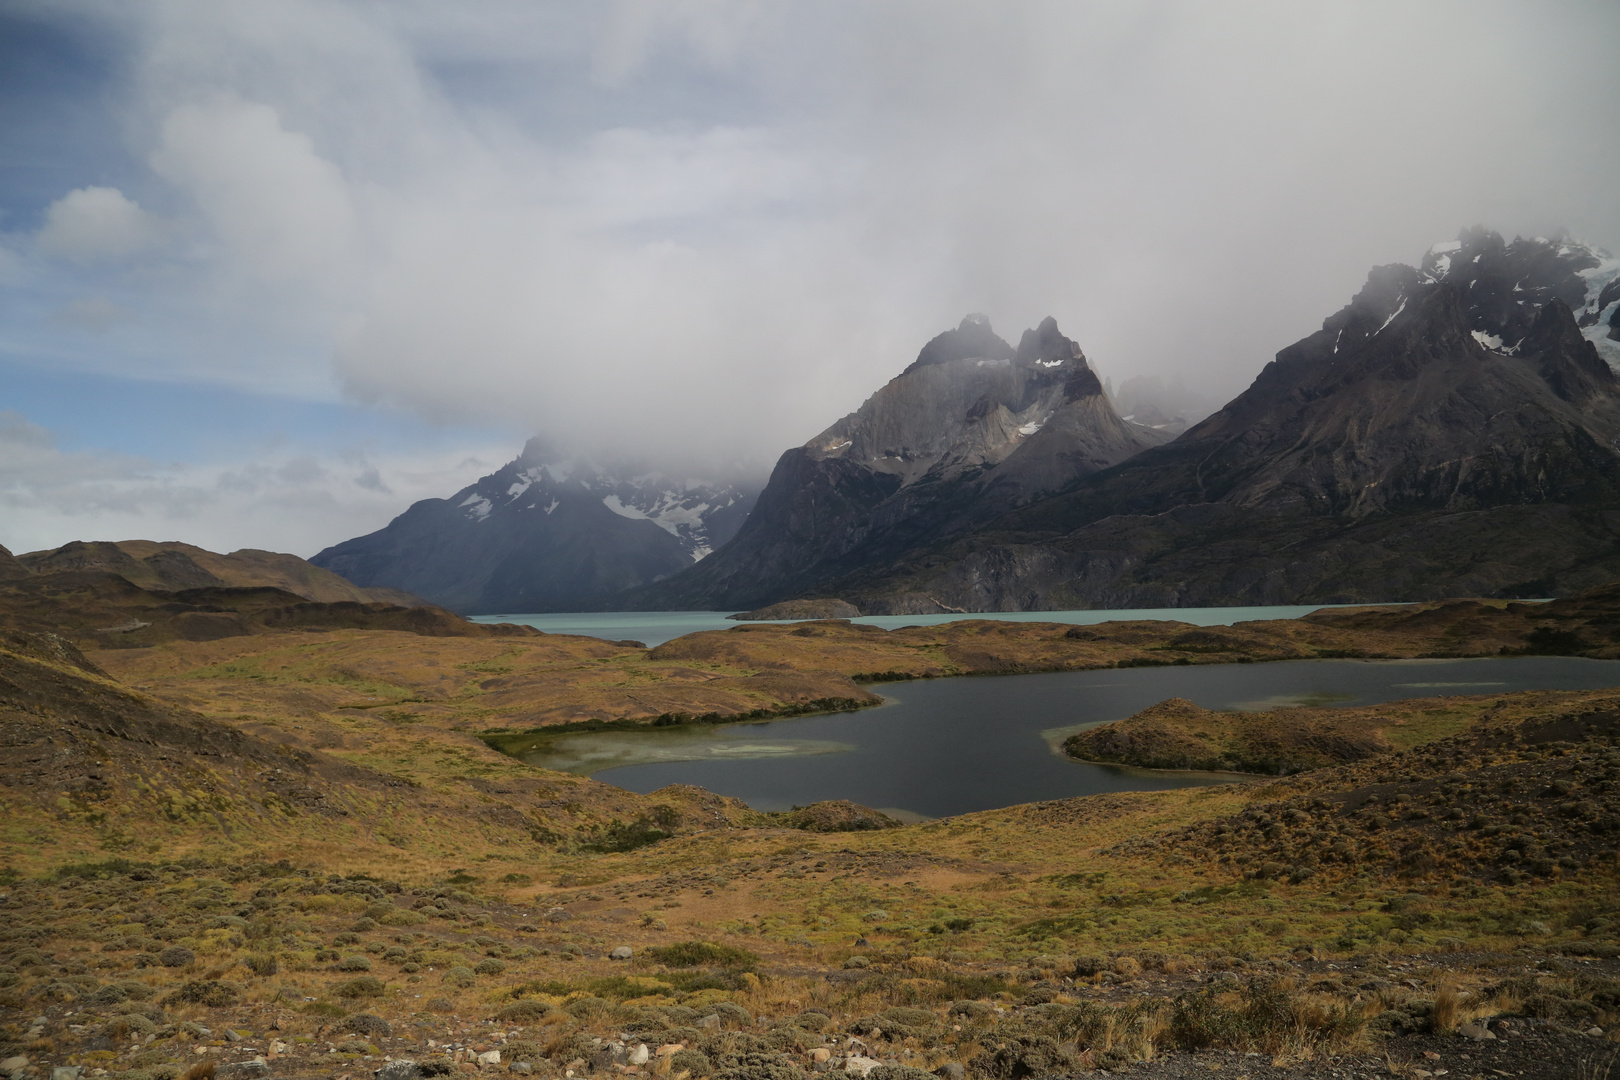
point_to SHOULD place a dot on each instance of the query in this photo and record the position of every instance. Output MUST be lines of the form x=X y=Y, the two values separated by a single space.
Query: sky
x=270 y=271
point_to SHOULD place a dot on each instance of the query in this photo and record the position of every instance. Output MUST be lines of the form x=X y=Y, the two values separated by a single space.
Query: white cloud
x=97 y=224
x=714 y=225
x=281 y=211
x=287 y=500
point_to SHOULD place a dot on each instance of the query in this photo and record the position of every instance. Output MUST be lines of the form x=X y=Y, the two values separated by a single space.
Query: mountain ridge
x=171 y=565
x=1431 y=439
x=972 y=424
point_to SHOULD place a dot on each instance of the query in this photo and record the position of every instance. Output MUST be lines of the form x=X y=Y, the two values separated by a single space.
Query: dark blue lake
x=952 y=746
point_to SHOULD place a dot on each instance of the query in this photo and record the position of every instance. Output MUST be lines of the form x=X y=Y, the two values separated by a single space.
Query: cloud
x=94 y=313
x=288 y=500
x=712 y=227
x=280 y=211
x=97 y=224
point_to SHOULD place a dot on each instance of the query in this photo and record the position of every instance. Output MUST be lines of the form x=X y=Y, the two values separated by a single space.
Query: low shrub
x=262 y=964
x=702 y=953
x=176 y=956
x=364 y=986
x=210 y=992
x=368 y=1025
x=523 y=1012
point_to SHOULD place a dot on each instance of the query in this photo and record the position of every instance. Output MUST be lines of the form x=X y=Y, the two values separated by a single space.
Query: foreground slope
x=190 y=891
x=546 y=533
x=1449 y=432
x=971 y=427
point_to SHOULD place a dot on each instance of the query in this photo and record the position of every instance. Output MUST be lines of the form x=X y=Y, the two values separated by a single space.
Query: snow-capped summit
x=1504 y=284
x=548 y=531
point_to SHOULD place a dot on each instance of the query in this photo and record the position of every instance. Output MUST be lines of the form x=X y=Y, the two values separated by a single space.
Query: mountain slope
x=972 y=427
x=171 y=565
x=1449 y=432
x=545 y=534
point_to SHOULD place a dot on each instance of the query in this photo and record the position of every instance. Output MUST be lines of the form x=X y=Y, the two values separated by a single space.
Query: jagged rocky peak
x=971 y=340
x=969 y=399
x=1504 y=285
x=1045 y=346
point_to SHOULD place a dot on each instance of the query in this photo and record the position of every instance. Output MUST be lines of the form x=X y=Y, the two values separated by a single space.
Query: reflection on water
x=588 y=752
x=952 y=746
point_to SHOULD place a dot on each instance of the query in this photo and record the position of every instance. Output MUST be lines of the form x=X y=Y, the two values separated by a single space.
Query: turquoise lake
x=656 y=627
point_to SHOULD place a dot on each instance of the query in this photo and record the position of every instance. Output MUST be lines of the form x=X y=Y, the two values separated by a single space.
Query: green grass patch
x=687 y=954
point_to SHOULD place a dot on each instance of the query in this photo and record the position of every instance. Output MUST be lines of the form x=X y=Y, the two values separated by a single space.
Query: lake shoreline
x=944 y=747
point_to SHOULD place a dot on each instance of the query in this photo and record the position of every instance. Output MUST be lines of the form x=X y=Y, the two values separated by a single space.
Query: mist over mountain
x=1167 y=405
x=973 y=426
x=1451 y=432
x=548 y=531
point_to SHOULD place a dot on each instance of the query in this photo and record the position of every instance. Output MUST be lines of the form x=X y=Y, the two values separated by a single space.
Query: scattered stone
x=623 y=952
x=67 y=1072
x=860 y=1065
x=1477 y=1032
x=246 y=1070
x=399 y=1070
x=11 y=1066
x=1595 y=1031
x=952 y=1070
x=523 y=1067
x=820 y=1054
x=639 y=1054
x=489 y=1057
x=710 y=1022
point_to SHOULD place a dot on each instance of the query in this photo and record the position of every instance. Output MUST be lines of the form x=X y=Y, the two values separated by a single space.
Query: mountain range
x=1451 y=431
x=547 y=532
x=973 y=426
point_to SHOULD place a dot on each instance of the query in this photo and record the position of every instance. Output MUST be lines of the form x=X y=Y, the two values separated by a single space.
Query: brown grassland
x=291 y=852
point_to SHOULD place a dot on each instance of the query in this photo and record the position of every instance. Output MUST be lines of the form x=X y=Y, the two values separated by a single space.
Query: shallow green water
x=656 y=627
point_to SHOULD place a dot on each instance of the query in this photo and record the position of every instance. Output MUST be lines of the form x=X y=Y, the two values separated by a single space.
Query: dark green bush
x=210 y=992
x=262 y=964
x=702 y=953
x=364 y=986
x=523 y=1012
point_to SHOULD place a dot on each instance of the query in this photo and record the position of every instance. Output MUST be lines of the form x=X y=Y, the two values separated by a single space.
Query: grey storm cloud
x=711 y=228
